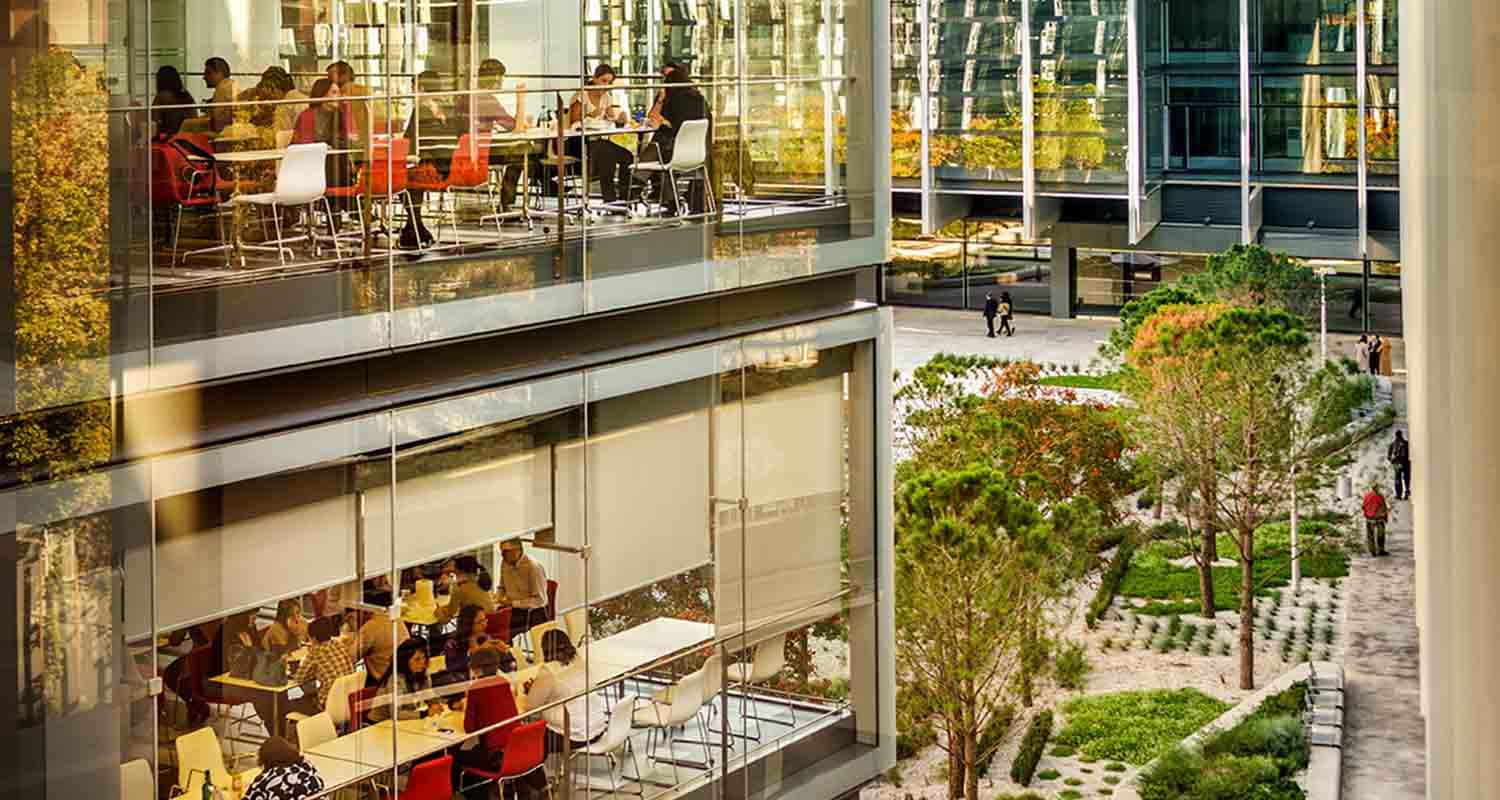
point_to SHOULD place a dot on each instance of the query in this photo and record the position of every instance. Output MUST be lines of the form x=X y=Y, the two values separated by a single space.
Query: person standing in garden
x=991 y=308
x=1399 y=454
x=1375 y=347
x=1005 y=327
x=1377 y=511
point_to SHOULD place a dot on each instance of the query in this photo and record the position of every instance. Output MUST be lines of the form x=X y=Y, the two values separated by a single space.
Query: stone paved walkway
x=1384 y=737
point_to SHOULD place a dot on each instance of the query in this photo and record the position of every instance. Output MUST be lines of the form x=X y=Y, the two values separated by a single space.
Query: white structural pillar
x=1450 y=200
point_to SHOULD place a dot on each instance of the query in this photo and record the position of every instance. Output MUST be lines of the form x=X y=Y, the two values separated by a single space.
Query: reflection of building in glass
x=1047 y=112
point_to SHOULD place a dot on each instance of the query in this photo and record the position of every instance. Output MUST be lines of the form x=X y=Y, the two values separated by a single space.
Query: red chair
x=429 y=780
x=359 y=705
x=180 y=185
x=468 y=168
x=551 y=599
x=498 y=626
x=525 y=753
x=383 y=177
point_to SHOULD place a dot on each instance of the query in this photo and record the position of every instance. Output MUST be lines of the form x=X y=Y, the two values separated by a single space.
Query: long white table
x=630 y=650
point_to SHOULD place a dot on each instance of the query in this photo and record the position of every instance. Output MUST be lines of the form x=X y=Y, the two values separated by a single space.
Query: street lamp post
x=1323 y=273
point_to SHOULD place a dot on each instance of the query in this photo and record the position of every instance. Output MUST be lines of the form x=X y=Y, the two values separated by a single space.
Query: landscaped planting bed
x=1135 y=727
x=1258 y=759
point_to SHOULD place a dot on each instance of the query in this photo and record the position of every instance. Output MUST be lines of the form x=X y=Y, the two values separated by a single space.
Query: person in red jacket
x=489 y=701
x=1377 y=511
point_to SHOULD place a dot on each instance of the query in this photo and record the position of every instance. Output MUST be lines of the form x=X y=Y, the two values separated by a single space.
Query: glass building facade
x=318 y=312
x=1168 y=127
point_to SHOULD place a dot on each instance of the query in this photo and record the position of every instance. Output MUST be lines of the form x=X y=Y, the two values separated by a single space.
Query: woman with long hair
x=171 y=92
x=407 y=678
x=469 y=637
x=324 y=121
x=565 y=677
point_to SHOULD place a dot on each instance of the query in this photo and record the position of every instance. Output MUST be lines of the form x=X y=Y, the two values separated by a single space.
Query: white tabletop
x=383 y=745
x=247 y=156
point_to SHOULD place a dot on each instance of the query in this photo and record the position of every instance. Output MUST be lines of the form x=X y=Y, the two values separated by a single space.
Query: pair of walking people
x=1376 y=509
x=998 y=308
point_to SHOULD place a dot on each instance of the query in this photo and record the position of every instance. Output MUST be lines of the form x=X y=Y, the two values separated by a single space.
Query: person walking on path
x=1375 y=347
x=1005 y=327
x=1377 y=511
x=991 y=308
x=1399 y=454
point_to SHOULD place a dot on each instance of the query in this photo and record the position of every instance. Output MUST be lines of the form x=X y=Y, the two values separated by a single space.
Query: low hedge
x=1032 y=747
x=1109 y=584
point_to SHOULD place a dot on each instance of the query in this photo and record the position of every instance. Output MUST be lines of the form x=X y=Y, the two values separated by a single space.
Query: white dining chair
x=577 y=622
x=614 y=745
x=767 y=661
x=135 y=780
x=686 y=702
x=199 y=752
x=315 y=730
x=689 y=159
x=301 y=181
x=338 y=698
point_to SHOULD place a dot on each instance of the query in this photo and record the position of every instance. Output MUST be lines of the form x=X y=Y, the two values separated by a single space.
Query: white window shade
x=261 y=557
x=647 y=504
x=783 y=564
x=462 y=509
x=250 y=523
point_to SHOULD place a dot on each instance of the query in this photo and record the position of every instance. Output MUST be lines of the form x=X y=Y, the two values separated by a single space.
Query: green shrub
x=914 y=739
x=1277 y=737
x=1109 y=583
x=1106 y=791
x=1176 y=774
x=1069 y=794
x=1027 y=796
x=1032 y=746
x=1111 y=538
x=1074 y=782
x=1287 y=703
x=1134 y=727
x=1243 y=778
x=1072 y=666
x=1145 y=502
x=1063 y=751
x=1112 y=780
x=1048 y=775
x=1115 y=766
x=994 y=732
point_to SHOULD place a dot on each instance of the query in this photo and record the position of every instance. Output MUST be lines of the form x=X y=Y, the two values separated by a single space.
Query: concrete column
x=1450 y=175
x=1064 y=278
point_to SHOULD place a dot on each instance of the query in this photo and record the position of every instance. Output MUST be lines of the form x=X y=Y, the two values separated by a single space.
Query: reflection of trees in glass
x=60 y=155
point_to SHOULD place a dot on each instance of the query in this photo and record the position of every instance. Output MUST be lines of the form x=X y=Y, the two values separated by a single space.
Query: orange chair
x=429 y=780
x=525 y=753
x=498 y=626
x=468 y=168
x=179 y=184
x=383 y=177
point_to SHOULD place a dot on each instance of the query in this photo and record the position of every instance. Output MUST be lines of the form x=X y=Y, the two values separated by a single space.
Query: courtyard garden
x=1095 y=562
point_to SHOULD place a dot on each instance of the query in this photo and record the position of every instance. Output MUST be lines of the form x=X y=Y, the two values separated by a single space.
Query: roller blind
x=785 y=560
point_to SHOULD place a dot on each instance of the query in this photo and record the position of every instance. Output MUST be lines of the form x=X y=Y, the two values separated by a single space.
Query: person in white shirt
x=608 y=159
x=523 y=587
x=565 y=678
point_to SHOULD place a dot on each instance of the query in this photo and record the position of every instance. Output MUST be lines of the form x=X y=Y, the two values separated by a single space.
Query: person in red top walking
x=1377 y=511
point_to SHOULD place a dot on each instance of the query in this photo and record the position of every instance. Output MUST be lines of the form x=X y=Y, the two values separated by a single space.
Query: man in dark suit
x=991 y=308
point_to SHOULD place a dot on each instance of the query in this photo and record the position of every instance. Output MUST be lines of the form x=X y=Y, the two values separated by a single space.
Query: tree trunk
x=1247 y=609
x=955 y=762
x=1210 y=537
x=1160 y=500
x=1206 y=582
x=971 y=753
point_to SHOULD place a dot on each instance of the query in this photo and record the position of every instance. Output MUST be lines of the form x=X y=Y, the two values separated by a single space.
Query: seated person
x=486 y=114
x=328 y=659
x=564 y=676
x=367 y=115
x=170 y=92
x=523 y=587
x=289 y=629
x=470 y=637
x=217 y=76
x=433 y=117
x=375 y=643
x=464 y=590
x=284 y=774
x=681 y=102
x=324 y=121
x=407 y=678
x=177 y=675
x=489 y=701
x=609 y=160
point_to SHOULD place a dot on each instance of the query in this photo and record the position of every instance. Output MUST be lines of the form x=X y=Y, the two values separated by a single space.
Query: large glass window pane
x=1205 y=124
x=975 y=80
x=1107 y=281
x=1385 y=297
x=1381 y=18
x=1081 y=86
x=1309 y=31
x=1198 y=32
x=926 y=270
x=1309 y=124
x=999 y=264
